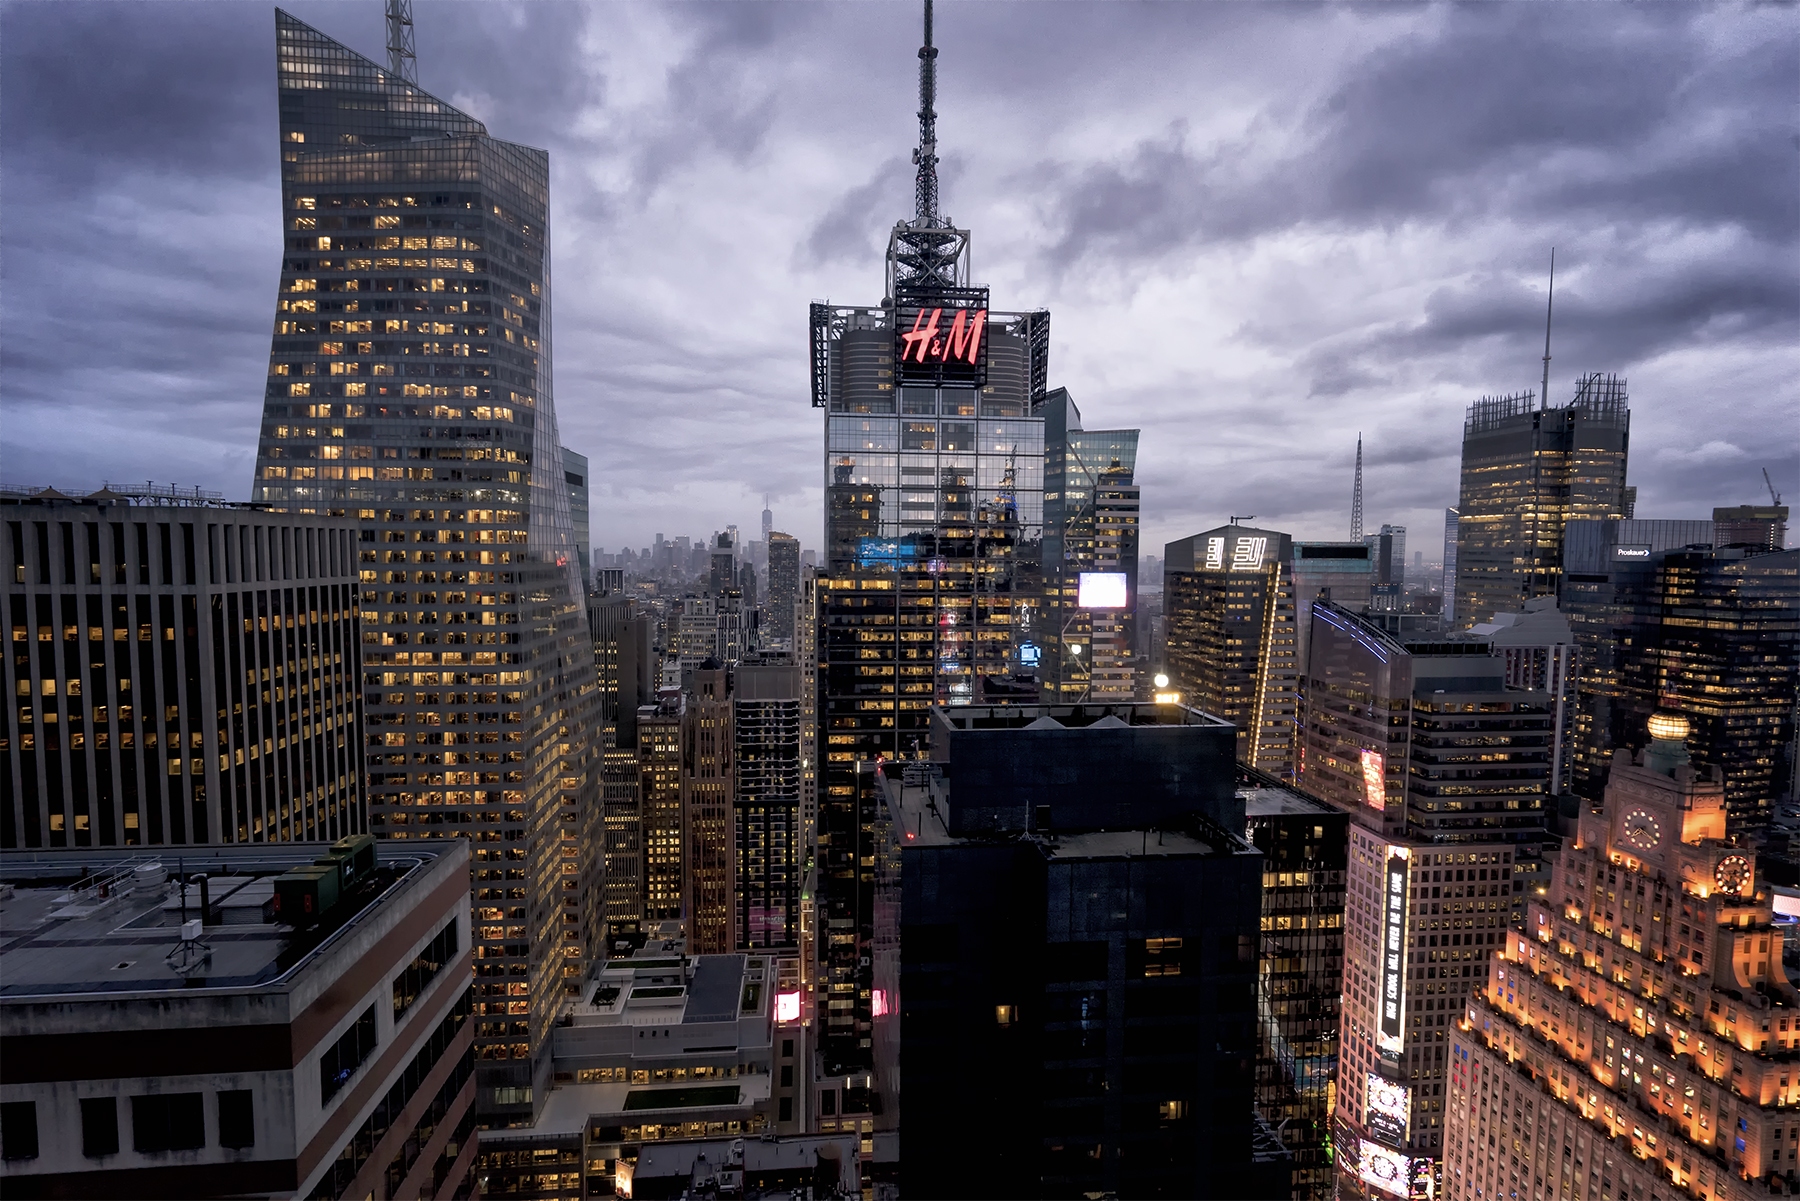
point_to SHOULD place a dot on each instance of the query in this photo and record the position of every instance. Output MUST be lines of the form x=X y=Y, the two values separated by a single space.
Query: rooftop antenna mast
x=1356 y=497
x=927 y=254
x=1549 y=304
x=402 y=61
x=925 y=187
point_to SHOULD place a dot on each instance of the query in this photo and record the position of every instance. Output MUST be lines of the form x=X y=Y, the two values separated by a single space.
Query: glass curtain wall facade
x=1714 y=635
x=1526 y=473
x=933 y=579
x=178 y=675
x=409 y=387
x=1228 y=601
x=1090 y=524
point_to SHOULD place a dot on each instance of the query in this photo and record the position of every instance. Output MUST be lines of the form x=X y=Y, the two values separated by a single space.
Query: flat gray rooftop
x=56 y=940
x=1268 y=801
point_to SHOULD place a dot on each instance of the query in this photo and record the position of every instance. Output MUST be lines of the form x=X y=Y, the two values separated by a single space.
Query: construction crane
x=1774 y=496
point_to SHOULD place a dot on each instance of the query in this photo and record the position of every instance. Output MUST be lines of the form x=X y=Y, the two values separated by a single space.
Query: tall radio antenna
x=402 y=60
x=1549 y=304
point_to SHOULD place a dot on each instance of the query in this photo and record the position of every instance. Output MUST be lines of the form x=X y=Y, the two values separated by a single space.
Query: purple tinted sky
x=1260 y=228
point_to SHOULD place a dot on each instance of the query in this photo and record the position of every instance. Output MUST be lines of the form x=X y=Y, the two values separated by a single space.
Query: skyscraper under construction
x=1526 y=472
x=934 y=466
x=409 y=387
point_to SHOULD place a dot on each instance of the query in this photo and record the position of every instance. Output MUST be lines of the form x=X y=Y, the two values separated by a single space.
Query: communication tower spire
x=925 y=188
x=402 y=61
x=927 y=254
x=1549 y=302
x=1356 y=497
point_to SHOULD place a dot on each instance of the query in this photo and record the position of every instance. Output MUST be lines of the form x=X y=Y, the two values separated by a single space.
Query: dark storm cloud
x=1262 y=229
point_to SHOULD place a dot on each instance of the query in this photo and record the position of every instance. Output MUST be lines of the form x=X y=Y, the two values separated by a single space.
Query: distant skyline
x=1319 y=221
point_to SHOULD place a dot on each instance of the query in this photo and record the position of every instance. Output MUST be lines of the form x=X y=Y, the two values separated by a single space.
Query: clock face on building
x=1733 y=873
x=1642 y=830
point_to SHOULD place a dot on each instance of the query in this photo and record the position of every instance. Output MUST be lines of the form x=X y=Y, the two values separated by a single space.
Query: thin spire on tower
x=402 y=61
x=925 y=187
x=1549 y=303
x=1356 y=497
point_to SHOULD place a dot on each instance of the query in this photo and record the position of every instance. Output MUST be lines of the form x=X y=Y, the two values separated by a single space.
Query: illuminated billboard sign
x=1374 y=773
x=1389 y=1107
x=1243 y=552
x=1101 y=590
x=787 y=1006
x=942 y=338
x=1393 y=953
x=1389 y=1171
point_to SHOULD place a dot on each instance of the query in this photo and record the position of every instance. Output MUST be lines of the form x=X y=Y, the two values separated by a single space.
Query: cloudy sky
x=1261 y=228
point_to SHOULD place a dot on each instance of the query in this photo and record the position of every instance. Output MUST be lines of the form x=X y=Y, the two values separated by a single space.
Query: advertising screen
x=1389 y=1106
x=1374 y=771
x=1393 y=952
x=1101 y=590
x=943 y=339
x=787 y=1006
x=1389 y=1171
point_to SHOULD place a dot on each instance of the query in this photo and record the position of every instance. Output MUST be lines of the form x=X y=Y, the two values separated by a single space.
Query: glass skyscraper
x=931 y=588
x=409 y=387
x=1526 y=472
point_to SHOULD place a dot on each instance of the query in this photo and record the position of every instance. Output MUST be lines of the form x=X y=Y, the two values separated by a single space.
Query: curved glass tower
x=409 y=386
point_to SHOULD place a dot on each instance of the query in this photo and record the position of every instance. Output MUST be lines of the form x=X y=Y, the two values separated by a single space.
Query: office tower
x=708 y=774
x=1449 y=587
x=1387 y=556
x=784 y=589
x=1527 y=470
x=182 y=672
x=622 y=849
x=1711 y=634
x=1761 y=526
x=1600 y=556
x=1107 y=1043
x=409 y=386
x=659 y=769
x=1090 y=529
x=766 y=840
x=1537 y=648
x=222 y=1055
x=575 y=476
x=933 y=473
x=1442 y=770
x=1339 y=571
x=724 y=565
x=1635 y=1034
x=1228 y=599
x=1117 y=502
x=1300 y=966
x=695 y=637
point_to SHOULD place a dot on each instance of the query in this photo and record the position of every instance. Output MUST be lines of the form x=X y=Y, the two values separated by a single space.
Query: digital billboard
x=942 y=338
x=1374 y=772
x=1101 y=590
x=1389 y=1171
x=1389 y=1108
x=787 y=1006
x=1392 y=1027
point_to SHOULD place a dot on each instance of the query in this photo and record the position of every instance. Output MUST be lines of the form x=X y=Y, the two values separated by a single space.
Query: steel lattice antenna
x=925 y=189
x=1356 y=497
x=1549 y=302
x=402 y=60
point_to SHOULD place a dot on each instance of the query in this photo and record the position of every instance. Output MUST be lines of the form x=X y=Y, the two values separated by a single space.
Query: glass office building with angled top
x=409 y=388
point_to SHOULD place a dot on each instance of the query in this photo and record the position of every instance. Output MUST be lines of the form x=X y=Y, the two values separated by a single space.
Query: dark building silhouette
x=1066 y=956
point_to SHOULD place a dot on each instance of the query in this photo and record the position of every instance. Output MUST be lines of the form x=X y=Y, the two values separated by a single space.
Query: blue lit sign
x=1029 y=654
